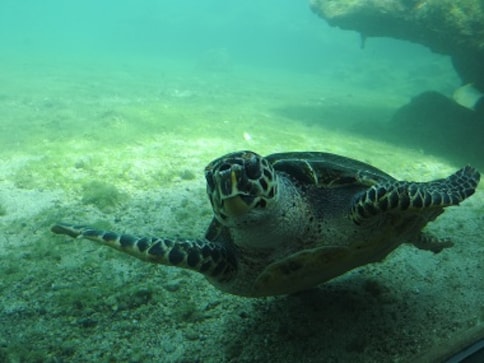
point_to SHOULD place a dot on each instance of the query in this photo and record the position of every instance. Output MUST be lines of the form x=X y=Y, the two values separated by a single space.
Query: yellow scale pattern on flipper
x=402 y=196
x=199 y=255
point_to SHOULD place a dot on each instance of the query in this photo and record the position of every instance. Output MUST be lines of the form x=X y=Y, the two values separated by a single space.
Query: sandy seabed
x=140 y=135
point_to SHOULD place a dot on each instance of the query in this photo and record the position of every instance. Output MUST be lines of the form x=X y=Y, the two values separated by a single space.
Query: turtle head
x=240 y=184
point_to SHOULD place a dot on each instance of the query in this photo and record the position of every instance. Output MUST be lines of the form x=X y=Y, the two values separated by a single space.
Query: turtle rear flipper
x=211 y=259
x=427 y=242
x=403 y=196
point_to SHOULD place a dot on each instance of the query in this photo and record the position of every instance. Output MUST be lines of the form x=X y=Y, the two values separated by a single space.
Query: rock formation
x=449 y=27
x=431 y=121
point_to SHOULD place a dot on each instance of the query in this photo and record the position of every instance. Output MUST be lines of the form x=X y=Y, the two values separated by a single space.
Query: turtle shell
x=326 y=169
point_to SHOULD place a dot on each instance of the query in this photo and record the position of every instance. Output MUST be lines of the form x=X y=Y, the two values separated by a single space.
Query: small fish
x=247 y=136
x=468 y=96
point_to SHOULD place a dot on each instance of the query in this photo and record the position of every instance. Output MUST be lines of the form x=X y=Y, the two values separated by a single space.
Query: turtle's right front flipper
x=403 y=196
x=208 y=258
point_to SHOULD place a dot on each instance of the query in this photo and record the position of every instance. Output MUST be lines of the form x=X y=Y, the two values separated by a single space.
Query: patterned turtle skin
x=290 y=221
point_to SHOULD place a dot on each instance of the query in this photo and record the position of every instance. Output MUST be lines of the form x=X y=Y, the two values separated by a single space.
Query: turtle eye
x=210 y=181
x=224 y=167
x=263 y=184
x=252 y=167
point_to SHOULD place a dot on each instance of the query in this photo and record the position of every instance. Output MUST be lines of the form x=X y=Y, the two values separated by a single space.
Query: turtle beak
x=235 y=206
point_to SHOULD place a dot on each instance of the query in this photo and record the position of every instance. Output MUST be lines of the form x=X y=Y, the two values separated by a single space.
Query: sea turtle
x=290 y=221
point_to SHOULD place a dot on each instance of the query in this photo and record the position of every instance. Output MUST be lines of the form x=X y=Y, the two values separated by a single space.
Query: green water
x=109 y=113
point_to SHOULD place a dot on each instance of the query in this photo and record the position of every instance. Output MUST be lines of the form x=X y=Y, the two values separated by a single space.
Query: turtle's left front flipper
x=208 y=258
x=407 y=196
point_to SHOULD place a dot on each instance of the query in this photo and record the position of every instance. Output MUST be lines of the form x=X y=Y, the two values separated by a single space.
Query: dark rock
x=436 y=124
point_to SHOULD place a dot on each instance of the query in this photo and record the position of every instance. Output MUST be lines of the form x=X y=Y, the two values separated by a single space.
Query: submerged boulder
x=449 y=27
